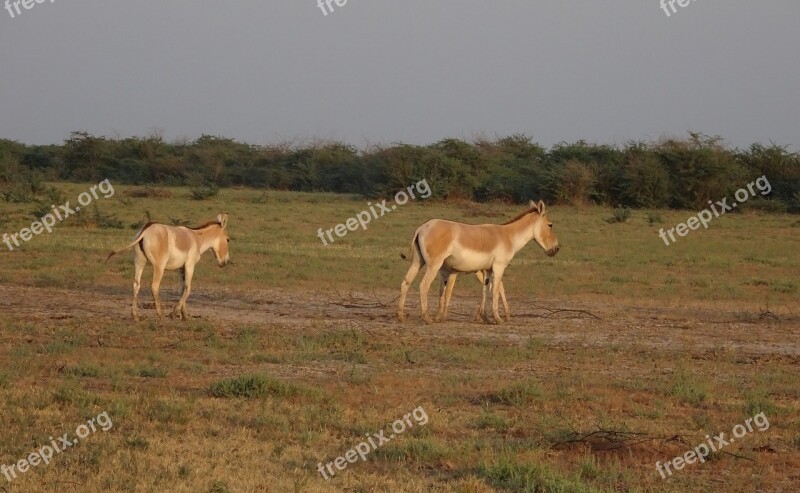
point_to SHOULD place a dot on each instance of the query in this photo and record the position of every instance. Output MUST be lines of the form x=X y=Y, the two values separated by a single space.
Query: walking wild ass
x=174 y=247
x=448 y=248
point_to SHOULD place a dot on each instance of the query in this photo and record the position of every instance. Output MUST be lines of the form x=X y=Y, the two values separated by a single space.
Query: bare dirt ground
x=591 y=324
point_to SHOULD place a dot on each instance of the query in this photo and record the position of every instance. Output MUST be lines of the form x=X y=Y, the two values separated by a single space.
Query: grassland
x=622 y=352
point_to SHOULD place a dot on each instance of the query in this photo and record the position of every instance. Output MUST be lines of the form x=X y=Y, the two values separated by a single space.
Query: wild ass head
x=543 y=230
x=220 y=242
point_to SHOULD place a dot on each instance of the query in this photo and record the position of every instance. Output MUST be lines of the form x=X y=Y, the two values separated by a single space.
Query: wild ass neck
x=204 y=238
x=521 y=231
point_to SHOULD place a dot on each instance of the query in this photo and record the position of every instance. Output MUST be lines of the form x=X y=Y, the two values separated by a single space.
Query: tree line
x=670 y=173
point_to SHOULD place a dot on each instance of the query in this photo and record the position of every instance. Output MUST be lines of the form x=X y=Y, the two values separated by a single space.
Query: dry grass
x=292 y=357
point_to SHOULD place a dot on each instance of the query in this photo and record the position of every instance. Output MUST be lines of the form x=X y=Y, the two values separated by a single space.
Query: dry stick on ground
x=352 y=301
x=735 y=455
x=765 y=314
x=552 y=312
x=172 y=345
x=614 y=438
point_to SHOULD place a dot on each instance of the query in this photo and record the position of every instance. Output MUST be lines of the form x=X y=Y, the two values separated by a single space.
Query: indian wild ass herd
x=443 y=247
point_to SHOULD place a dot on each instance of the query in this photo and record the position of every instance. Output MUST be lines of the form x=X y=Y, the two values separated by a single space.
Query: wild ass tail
x=131 y=244
x=414 y=249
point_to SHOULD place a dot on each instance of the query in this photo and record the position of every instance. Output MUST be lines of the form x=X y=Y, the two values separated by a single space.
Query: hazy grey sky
x=405 y=70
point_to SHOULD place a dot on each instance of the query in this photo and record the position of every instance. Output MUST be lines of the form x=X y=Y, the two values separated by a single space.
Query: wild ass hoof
x=427 y=318
x=401 y=317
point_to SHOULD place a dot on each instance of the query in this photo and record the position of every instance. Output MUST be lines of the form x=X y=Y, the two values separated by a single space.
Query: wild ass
x=448 y=248
x=174 y=247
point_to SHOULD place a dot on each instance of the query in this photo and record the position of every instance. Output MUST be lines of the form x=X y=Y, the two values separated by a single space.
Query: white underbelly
x=176 y=261
x=468 y=261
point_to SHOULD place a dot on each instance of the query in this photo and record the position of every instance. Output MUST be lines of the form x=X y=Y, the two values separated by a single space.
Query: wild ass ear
x=531 y=204
x=541 y=207
x=222 y=219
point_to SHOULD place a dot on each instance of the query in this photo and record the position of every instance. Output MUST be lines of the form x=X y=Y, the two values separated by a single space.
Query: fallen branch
x=553 y=312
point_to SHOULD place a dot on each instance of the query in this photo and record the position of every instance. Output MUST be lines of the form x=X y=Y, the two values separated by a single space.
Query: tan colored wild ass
x=448 y=248
x=174 y=247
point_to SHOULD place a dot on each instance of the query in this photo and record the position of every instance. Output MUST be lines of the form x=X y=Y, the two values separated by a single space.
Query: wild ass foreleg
x=505 y=302
x=442 y=299
x=497 y=280
x=177 y=310
x=180 y=309
x=446 y=292
x=483 y=277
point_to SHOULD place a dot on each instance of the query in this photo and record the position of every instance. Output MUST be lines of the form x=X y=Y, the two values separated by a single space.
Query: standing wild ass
x=448 y=248
x=174 y=247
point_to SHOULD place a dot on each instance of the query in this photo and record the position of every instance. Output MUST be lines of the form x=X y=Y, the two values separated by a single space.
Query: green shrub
x=254 y=386
x=620 y=215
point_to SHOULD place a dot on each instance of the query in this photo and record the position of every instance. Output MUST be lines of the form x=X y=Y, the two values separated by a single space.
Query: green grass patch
x=256 y=386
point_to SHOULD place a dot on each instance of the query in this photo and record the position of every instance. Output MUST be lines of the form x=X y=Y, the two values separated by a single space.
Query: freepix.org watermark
x=364 y=217
x=704 y=217
x=327 y=5
x=667 y=5
x=59 y=214
x=715 y=444
x=373 y=442
x=13 y=6
x=45 y=454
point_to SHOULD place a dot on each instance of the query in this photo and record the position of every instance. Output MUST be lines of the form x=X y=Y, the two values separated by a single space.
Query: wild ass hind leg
x=416 y=265
x=139 y=262
x=158 y=274
x=425 y=285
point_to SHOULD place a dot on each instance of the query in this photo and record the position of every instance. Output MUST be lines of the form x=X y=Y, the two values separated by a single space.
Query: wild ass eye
x=550 y=225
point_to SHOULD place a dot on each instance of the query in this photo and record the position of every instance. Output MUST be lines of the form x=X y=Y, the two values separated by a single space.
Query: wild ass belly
x=177 y=260
x=468 y=261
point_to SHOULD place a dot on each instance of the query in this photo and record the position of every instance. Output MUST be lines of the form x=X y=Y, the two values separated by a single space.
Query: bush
x=577 y=182
x=204 y=191
x=97 y=219
x=621 y=214
x=645 y=182
x=654 y=218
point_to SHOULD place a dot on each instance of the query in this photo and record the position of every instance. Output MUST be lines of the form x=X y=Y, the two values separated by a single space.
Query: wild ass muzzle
x=174 y=247
x=448 y=248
